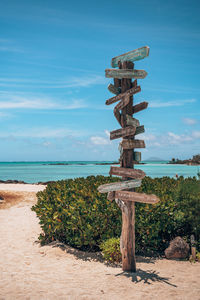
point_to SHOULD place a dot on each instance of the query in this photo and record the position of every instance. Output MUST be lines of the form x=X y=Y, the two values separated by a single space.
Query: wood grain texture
x=132 y=56
x=127 y=172
x=129 y=130
x=116 y=73
x=131 y=144
x=114 y=89
x=139 y=107
x=122 y=206
x=129 y=92
x=136 y=197
x=119 y=186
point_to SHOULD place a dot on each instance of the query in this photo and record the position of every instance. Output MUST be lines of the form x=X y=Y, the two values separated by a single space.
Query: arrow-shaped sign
x=133 y=55
x=114 y=89
x=122 y=73
x=138 y=107
x=115 y=134
x=118 y=186
x=127 y=172
x=129 y=92
x=131 y=144
x=137 y=197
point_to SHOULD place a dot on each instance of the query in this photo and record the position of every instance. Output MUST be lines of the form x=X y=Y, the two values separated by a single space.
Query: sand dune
x=29 y=271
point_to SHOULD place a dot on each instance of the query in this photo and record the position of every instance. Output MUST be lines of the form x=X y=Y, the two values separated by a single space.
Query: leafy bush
x=74 y=212
x=111 y=250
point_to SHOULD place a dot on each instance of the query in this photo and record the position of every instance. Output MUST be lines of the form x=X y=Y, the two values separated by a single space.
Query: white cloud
x=18 y=102
x=189 y=121
x=178 y=139
x=158 y=104
x=196 y=134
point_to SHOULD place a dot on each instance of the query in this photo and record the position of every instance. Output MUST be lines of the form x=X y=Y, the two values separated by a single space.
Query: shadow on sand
x=148 y=277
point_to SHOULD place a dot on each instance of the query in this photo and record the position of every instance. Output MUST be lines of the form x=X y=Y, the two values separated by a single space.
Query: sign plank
x=114 y=89
x=122 y=206
x=119 y=186
x=132 y=121
x=129 y=92
x=139 y=129
x=127 y=172
x=138 y=107
x=133 y=55
x=137 y=156
x=136 y=197
x=125 y=101
x=115 y=134
x=131 y=144
x=122 y=73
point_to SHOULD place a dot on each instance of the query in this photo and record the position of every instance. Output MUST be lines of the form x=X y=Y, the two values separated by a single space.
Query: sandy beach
x=29 y=271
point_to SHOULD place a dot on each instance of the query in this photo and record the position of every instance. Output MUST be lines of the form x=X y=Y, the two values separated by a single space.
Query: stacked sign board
x=123 y=192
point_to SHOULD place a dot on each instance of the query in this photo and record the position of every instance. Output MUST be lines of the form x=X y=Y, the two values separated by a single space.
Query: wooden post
x=128 y=220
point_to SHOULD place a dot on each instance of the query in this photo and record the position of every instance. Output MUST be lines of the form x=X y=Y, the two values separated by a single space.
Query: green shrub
x=75 y=213
x=111 y=250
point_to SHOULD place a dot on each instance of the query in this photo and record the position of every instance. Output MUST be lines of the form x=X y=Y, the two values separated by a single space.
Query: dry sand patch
x=29 y=271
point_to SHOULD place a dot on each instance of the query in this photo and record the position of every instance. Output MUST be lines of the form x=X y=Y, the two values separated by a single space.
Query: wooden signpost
x=123 y=192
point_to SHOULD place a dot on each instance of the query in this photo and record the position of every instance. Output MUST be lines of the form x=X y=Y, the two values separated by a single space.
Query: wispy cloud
x=9 y=46
x=189 y=121
x=158 y=104
x=18 y=102
x=72 y=82
x=43 y=132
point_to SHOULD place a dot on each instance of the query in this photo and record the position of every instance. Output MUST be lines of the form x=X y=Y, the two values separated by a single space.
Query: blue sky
x=53 y=56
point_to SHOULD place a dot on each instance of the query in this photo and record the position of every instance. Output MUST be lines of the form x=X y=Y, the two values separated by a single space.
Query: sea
x=43 y=171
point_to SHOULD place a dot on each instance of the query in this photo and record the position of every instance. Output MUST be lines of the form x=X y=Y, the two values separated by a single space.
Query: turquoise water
x=33 y=172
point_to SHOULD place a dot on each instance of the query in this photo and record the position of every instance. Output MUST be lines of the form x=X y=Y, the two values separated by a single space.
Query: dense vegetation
x=74 y=212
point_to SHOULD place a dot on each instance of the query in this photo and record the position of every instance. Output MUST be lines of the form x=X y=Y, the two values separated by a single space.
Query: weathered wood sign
x=115 y=73
x=114 y=89
x=126 y=172
x=129 y=92
x=130 y=121
x=130 y=130
x=136 y=197
x=139 y=107
x=136 y=156
x=133 y=55
x=119 y=186
x=131 y=144
x=139 y=129
x=123 y=192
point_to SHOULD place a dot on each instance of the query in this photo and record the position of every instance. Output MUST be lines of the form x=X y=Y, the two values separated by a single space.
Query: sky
x=53 y=56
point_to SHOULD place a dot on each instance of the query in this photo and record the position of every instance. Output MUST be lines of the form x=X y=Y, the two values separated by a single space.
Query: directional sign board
x=121 y=73
x=115 y=134
x=131 y=144
x=136 y=197
x=127 y=172
x=118 y=186
x=129 y=92
x=137 y=156
x=132 y=121
x=114 y=89
x=138 y=107
x=133 y=55
x=139 y=129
